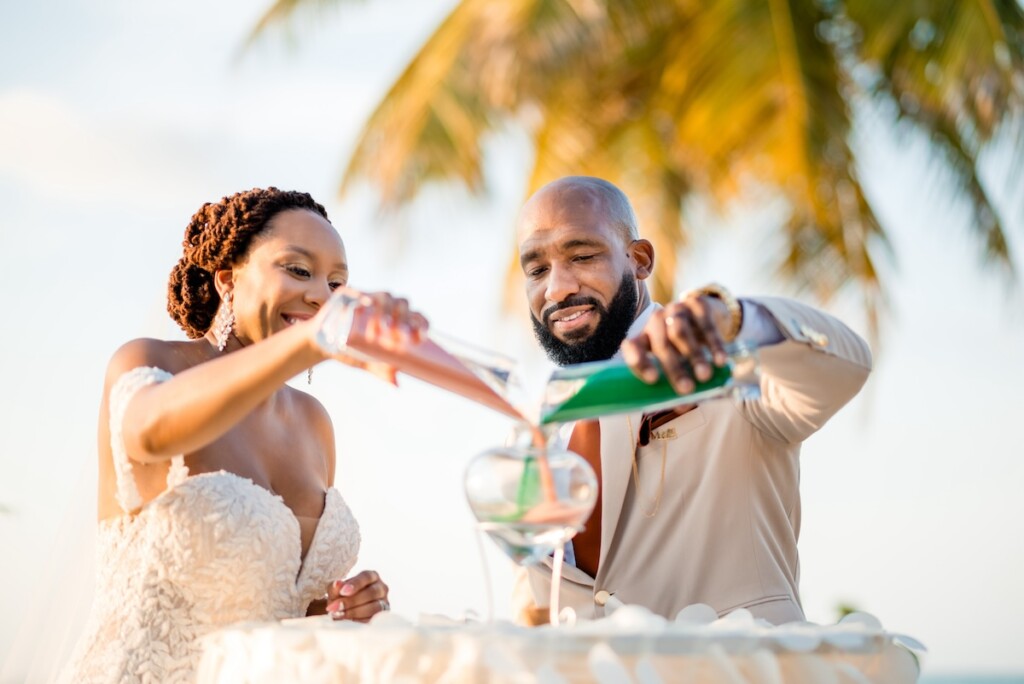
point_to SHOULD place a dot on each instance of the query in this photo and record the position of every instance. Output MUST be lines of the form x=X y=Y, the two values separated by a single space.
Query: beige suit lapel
x=616 y=466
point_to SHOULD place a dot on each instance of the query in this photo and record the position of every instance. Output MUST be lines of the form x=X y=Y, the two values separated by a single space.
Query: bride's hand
x=391 y=324
x=357 y=598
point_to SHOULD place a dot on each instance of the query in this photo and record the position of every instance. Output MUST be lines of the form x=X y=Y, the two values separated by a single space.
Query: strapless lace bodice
x=211 y=550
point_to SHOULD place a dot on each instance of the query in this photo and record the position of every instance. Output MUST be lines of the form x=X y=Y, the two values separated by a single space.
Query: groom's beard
x=609 y=334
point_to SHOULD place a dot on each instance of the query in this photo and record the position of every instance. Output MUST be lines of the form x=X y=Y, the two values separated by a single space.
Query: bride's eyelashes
x=298 y=271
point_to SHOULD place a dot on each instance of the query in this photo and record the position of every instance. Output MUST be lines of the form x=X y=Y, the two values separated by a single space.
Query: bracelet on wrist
x=732 y=305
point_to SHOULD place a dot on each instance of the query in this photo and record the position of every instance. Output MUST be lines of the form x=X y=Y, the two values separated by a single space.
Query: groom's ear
x=641 y=253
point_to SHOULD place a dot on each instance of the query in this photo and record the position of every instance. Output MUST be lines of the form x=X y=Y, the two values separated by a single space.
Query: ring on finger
x=670 y=321
x=384 y=605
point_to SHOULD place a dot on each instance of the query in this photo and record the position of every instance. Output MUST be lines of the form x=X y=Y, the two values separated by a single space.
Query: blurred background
x=864 y=156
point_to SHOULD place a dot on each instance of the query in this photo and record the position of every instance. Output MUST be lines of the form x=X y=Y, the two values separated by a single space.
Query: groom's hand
x=357 y=598
x=682 y=336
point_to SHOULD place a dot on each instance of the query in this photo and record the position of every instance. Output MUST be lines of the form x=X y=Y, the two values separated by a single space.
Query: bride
x=215 y=496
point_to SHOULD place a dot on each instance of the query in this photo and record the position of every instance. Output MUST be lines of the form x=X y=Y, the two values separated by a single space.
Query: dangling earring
x=223 y=322
x=309 y=375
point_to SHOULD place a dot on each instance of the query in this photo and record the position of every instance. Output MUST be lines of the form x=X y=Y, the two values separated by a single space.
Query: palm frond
x=430 y=123
x=280 y=17
x=954 y=71
x=487 y=60
x=670 y=99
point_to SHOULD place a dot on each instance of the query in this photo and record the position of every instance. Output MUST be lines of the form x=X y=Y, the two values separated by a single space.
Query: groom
x=700 y=504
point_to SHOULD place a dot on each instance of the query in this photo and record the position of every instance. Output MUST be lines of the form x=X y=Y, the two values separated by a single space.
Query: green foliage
x=718 y=99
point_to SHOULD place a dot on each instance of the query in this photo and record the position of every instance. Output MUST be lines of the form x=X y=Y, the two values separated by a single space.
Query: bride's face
x=289 y=272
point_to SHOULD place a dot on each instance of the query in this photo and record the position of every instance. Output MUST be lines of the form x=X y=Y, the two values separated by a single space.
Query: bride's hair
x=218 y=237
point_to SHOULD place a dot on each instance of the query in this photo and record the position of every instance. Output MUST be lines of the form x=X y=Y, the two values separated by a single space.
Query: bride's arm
x=199 y=404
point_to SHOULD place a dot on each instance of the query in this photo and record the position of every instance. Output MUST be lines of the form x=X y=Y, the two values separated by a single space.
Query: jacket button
x=816 y=338
x=601 y=597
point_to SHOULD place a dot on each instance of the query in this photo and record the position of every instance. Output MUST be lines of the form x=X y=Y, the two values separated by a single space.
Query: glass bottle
x=590 y=390
x=471 y=372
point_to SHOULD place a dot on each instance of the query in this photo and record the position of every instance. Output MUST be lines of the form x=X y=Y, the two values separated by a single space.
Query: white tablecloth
x=632 y=645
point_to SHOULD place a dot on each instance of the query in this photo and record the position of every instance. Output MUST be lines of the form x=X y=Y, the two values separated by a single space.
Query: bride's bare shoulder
x=172 y=356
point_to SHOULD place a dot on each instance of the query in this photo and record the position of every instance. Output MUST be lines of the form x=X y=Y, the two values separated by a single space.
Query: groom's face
x=581 y=281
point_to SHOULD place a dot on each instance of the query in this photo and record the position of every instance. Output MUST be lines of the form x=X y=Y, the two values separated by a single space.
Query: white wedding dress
x=211 y=550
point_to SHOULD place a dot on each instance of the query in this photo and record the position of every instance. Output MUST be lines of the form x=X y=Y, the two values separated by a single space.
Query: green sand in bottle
x=610 y=387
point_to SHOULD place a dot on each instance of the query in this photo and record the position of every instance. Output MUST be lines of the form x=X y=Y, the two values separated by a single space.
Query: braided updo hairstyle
x=218 y=237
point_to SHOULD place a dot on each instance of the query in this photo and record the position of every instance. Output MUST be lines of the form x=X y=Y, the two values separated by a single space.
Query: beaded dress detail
x=211 y=550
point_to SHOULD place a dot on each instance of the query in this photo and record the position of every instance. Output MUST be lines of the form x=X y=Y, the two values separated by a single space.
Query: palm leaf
x=721 y=99
x=954 y=72
x=281 y=17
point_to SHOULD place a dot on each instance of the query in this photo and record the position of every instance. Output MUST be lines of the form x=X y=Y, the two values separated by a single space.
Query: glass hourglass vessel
x=531 y=499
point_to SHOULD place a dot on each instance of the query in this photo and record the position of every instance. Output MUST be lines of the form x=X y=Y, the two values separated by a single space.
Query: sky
x=119 y=119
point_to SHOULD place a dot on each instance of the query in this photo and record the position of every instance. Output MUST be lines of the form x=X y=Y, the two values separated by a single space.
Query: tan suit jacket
x=725 y=530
